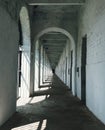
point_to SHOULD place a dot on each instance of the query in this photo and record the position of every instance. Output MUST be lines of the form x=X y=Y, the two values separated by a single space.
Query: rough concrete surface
x=8 y=63
x=59 y=111
x=92 y=23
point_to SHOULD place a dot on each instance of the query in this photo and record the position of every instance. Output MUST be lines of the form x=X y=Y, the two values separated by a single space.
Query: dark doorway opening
x=71 y=70
x=83 y=69
x=66 y=72
x=19 y=58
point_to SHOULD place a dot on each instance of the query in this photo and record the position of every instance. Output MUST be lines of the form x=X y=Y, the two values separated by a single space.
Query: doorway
x=66 y=72
x=19 y=59
x=71 y=70
x=83 y=69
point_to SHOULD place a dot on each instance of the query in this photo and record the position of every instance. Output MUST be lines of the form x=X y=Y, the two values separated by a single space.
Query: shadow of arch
x=63 y=31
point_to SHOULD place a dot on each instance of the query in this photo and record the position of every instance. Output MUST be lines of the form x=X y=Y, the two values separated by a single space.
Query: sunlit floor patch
x=46 y=88
x=38 y=99
x=24 y=101
x=33 y=126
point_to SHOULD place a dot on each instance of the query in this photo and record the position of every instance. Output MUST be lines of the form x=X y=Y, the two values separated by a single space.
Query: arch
x=24 y=48
x=25 y=24
x=63 y=31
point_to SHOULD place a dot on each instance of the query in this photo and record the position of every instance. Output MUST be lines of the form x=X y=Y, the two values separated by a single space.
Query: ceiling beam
x=53 y=36
x=51 y=59
x=54 y=52
x=54 y=63
x=54 y=57
x=56 y=2
x=54 y=41
x=54 y=45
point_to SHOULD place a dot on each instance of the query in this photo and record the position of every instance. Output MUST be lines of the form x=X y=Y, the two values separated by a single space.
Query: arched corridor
x=52 y=61
x=53 y=40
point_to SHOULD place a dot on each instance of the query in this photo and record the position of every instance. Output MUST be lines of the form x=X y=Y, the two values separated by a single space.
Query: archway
x=63 y=31
x=24 y=54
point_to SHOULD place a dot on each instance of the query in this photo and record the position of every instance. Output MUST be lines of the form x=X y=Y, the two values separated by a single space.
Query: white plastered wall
x=63 y=68
x=9 y=38
x=36 y=80
x=42 y=66
x=92 y=23
x=25 y=69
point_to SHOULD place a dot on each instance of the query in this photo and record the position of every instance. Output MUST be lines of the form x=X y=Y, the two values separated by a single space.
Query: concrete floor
x=52 y=109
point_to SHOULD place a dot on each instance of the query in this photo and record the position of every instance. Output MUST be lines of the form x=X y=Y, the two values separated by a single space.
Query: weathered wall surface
x=64 y=21
x=64 y=65
x=36 y=64
x=13 y=7
x=25 y=67
x=92 y=23
x=8 y=65
x=42 y=66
